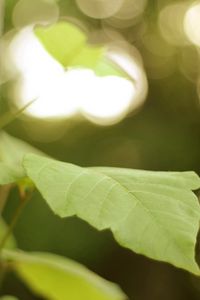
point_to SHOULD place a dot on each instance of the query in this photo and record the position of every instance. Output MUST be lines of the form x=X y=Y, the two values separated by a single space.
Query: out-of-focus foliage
x=67 y=44
x=55 y=277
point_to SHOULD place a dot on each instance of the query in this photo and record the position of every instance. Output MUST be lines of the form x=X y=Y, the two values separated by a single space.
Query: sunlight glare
x=192 y=23
x=42 y=78
x=62 y=93
x=131 y=62
x=112 y=101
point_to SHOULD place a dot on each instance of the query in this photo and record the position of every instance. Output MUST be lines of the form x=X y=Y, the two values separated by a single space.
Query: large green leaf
x=12 y=151
x=152 y=213
x=59 y=278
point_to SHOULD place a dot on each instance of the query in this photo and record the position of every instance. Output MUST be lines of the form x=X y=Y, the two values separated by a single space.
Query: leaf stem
x=24 y=197
x=4 y=193
x=17 y=213
x=12 y=224
x=3 y=269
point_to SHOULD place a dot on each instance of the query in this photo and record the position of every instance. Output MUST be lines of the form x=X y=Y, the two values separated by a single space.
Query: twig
x=4 y=193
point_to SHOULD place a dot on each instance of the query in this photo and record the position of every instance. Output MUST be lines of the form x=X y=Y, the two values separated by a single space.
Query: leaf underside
x=151 y=213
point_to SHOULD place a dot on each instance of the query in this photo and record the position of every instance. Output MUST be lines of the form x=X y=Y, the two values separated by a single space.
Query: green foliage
x=152 y=213
x=108 y=67
x=68 y=44
x=58 y=278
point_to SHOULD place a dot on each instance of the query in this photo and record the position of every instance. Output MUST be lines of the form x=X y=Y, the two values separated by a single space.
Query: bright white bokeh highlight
x=192 y=23
x=41 y=79
x=108 y=99
x=62 y=93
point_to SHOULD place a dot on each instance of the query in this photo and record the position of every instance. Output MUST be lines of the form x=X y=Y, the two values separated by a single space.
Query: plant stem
x=23 y=200
x=12 y=224
x=4 y=193
x=24 y=197
x=3 y=269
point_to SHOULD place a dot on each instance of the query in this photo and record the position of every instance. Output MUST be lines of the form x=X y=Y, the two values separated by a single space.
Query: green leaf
x=152 y=213
x=57 y=278
x=12 y=151
x=88 y=57
x=10 y=243
x=67 y=44
x=106 y=67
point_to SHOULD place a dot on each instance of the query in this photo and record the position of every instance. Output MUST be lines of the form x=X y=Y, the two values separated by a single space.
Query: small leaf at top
x=58 y=278
x=152 y=213
x=64 y=41
x=68 y=45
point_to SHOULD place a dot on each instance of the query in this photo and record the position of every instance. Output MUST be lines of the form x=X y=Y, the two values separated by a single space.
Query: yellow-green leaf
x=58 y=278
x=68 y=45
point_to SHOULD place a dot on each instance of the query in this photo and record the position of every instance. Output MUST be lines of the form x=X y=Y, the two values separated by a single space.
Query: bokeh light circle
x=99 y=9
x=27 y=12
x=192 y=23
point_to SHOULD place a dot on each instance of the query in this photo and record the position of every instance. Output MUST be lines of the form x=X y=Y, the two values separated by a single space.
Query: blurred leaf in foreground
x=58 y=278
